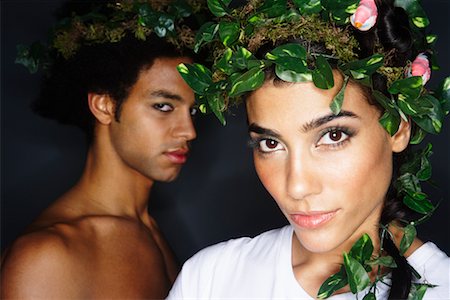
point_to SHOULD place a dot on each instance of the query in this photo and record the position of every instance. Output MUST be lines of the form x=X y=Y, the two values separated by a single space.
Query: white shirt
x=261 y=268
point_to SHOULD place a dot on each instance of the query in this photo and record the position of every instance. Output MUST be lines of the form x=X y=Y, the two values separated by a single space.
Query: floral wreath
x=110 y=23
x=237 y=32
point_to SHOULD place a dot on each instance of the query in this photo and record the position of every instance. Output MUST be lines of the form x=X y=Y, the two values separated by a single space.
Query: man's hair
x=109 y=68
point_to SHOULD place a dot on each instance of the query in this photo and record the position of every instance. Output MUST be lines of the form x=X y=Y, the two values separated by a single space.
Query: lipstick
x=312 y=220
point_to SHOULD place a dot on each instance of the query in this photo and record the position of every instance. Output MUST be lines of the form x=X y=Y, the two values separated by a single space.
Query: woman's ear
x=400 y=139
x=102 y=107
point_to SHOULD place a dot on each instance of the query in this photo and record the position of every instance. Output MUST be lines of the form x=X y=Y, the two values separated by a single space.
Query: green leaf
x=249 y=81
x=338 y=100
x=225 y=64
x=273 y=8
x=443 y=94
x=431 y=115
x=241 y=58
x=197 y=76
x=358 y=279
x=217 y=103
x=287 y=50
x=332 y=284
x=308 y=7
x=416 y=163
x=292 y=76
x=219 y=8
x=415 y=11
x=390 y=122
x=369 y=296
x=361 y=69
x=409 y=87
x=409 y=234
x=323 y=74
x=362 y=249
x=386 y=261
x=431 y=38
x=417 y=203
x=180 y=9
x=418 y=136
x=228 y=32
x=205 y=34
x=417 y=291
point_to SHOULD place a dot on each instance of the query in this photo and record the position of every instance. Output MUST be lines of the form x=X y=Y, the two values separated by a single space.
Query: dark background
x=217 y=196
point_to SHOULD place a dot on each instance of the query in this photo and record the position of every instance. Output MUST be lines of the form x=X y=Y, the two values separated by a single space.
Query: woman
x=331 y=109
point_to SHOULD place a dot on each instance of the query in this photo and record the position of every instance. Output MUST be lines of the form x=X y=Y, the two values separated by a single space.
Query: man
x=98 y=240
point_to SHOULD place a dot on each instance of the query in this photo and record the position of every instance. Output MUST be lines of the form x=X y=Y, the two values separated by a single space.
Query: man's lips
x=178 y=156
x=312 y=220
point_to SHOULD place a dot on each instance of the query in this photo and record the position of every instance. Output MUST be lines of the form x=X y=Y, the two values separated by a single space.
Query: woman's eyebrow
x=261 y=130
x=327 y=118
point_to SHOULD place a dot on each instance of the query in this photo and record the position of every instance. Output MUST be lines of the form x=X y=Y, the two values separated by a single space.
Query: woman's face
x=328 y=174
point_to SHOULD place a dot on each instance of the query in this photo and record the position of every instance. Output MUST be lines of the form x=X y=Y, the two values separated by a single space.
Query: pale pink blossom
x=365 y=15
x=421 y=67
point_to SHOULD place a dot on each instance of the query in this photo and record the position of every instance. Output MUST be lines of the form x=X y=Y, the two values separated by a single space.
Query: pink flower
x=365 y=15
x=421 y=67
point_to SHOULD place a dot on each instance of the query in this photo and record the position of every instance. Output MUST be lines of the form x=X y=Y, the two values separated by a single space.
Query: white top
x=261 y=268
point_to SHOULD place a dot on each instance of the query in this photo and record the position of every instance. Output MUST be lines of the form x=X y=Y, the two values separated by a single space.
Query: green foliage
x=409 y=234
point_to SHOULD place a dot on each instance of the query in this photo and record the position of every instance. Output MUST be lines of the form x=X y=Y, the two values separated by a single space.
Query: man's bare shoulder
x=33 y=261
x=89 y=256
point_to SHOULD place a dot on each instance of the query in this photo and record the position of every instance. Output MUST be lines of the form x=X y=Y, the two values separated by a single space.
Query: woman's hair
x=392 y=32
x=109 y=68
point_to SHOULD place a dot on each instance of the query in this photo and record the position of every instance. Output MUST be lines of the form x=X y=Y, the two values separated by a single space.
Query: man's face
x=155 y=126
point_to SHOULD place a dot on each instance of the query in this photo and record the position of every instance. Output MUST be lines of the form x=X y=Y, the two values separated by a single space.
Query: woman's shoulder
x=433 y=265
x=260 y=245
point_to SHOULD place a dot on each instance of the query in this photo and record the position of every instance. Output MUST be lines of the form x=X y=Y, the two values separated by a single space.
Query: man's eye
x=164 y=107
x=269 y=145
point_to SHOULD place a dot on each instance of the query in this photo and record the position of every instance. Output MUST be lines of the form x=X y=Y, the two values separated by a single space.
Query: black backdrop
x=217 y=196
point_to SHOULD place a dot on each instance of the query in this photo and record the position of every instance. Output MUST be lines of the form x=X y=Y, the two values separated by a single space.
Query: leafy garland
x=109 y=23
x=238 y=32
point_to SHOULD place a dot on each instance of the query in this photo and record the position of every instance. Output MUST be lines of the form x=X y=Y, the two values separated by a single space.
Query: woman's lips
x=178 y=156
x=312 y=220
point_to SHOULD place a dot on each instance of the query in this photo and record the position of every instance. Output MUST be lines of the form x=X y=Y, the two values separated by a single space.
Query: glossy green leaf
x=180 y=9
x=228 y=32
x=358 y=279
x=415 y=12
x=409 y=234
x=308 y=7
x=205 y=34
x=332 y=284
x=287 y=50
x=338 y=100
x=216 y=103
x=273 y=8
x=409 y=87
x=361 y=69
x=390 y=122
x=431 y=115
x=241 y=58
x=431 y=38
x=386 y=261
x=417 y=163
x=197 y=76
x=225 y=64
x=418 y=136
x=219 y=8
x=418 y=204
x=443 y=94
x=249 y=81
x=369 y=296
x=292 y=76
x=323 y=74
x=362 y=249
x=417 y=291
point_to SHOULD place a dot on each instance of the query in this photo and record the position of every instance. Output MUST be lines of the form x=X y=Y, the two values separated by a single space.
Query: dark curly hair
x=393 y=32
x=110 y=68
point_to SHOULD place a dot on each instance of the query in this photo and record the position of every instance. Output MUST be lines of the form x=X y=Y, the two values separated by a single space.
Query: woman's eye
x=333 y=137
x=164 y=107
x=268 y=145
